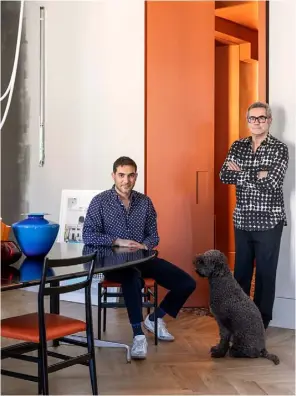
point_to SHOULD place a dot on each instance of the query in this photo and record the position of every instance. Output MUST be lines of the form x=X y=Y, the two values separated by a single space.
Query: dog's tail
x=270 y=356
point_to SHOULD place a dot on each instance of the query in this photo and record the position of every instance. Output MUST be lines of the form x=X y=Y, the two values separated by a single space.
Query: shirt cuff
x=147 y=244
x=108 y=240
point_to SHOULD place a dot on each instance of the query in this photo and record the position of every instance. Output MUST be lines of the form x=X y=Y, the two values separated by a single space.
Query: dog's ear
x=219 y=269
x=220 y=265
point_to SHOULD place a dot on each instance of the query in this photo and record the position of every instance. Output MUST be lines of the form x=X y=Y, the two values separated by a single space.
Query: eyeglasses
x=261 y=119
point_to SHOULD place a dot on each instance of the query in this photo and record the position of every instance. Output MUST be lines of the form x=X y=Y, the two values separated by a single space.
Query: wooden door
x=180 y=129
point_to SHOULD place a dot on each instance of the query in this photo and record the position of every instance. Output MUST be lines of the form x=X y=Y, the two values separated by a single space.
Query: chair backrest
x=54 y=263
x=55 y=289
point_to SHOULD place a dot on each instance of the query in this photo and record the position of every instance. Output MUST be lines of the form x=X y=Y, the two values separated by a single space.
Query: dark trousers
x=264 y=247
x=178 y=283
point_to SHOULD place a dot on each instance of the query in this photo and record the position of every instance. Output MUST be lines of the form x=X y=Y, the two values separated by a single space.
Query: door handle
x=202 y=186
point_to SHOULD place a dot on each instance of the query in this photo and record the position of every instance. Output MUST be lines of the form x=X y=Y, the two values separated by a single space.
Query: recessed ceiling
x=243 y=13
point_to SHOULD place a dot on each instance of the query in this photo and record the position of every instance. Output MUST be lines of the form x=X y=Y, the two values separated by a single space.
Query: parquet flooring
x=180 y=367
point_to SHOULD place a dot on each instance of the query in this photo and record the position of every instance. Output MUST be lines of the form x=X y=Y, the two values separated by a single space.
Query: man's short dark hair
x=122 y=161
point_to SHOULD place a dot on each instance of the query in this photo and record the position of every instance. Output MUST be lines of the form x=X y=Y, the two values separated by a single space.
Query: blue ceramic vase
x=35 y=235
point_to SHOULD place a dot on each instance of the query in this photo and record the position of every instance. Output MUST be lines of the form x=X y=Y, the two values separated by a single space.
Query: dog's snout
x=198 y=260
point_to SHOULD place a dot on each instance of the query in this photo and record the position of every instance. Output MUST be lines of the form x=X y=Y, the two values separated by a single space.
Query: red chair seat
x=26 y=327
x=148 y=283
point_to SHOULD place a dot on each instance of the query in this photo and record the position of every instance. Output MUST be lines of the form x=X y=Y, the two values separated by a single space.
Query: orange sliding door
x=180 y=50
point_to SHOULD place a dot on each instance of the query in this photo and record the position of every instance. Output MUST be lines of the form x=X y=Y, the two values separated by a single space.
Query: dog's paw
x=218 y=351
x=215 y=348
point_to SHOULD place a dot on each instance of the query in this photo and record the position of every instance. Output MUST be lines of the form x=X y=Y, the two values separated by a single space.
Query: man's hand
x=262 y=174
x=138 y=245
x=233 y=166
x=124 y=249
x=129 y=243
x=124 y=242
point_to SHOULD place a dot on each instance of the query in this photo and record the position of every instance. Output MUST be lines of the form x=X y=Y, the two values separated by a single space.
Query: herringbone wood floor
x=180 y=367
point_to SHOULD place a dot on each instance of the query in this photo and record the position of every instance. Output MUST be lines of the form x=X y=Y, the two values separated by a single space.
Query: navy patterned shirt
x=259 y=202
x=107 y=219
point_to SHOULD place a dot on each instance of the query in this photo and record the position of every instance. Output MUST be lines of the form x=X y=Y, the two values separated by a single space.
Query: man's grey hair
x=260 y=105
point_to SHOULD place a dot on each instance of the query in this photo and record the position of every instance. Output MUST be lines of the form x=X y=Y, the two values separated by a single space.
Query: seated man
x=123 y=217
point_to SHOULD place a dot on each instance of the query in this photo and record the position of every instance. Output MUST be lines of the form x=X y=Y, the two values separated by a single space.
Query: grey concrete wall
x=14 y=150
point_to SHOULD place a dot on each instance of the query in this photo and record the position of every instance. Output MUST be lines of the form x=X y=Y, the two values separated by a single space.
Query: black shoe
x=266 y=324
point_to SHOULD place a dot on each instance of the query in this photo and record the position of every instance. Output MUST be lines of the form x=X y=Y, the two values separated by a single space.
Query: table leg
x=55 y=306
x=80 y=340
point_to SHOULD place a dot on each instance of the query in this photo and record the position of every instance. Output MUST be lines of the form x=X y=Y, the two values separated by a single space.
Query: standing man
x=123 y=217
x=257 y=166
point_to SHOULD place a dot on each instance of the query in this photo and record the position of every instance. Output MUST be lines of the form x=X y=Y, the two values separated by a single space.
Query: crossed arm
x=264 y=180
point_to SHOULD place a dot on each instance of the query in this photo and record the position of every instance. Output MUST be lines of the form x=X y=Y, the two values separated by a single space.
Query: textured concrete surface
x=14 y=150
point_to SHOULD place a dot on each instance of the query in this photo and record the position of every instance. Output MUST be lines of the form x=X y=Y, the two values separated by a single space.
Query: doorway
x=240 y=80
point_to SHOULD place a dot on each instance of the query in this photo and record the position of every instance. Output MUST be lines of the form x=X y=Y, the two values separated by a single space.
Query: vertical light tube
x=42 y=89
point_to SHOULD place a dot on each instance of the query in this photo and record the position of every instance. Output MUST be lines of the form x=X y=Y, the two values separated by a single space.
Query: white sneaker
x=139 y=347
x=162 y=332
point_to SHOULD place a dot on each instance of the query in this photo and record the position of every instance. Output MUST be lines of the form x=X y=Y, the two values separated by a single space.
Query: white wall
x=282 y=85
x=94 y=95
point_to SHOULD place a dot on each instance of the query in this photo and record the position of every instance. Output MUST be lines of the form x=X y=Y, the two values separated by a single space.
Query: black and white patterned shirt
x=259 y=202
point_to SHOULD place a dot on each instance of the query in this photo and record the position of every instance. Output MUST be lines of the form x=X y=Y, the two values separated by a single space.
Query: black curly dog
x=238 y=317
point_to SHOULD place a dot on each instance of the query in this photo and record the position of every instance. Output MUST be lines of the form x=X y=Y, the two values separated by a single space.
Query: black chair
x=38 y=328
x=150 y=290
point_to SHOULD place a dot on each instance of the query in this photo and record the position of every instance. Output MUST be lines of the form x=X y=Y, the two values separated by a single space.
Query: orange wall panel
x=262 y=49
x=227 y=91
x=248 y=82
x=180 y=129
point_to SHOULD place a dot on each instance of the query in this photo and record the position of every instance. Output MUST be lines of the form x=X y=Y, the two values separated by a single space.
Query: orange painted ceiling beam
x=231 y=33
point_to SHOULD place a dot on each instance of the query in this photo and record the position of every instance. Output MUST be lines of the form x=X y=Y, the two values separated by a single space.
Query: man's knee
x=188 y=285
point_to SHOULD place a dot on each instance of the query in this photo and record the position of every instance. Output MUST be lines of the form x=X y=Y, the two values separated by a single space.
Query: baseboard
x=283 y=313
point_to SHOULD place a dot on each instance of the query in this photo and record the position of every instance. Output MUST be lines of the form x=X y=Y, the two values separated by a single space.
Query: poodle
x=238 y=317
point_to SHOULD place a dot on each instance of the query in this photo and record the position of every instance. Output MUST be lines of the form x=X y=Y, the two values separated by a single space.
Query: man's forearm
x=237 y=178
x=97 y=239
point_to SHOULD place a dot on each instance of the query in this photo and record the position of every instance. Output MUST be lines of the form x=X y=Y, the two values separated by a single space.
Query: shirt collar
x=264 y=142
x=115 y=194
